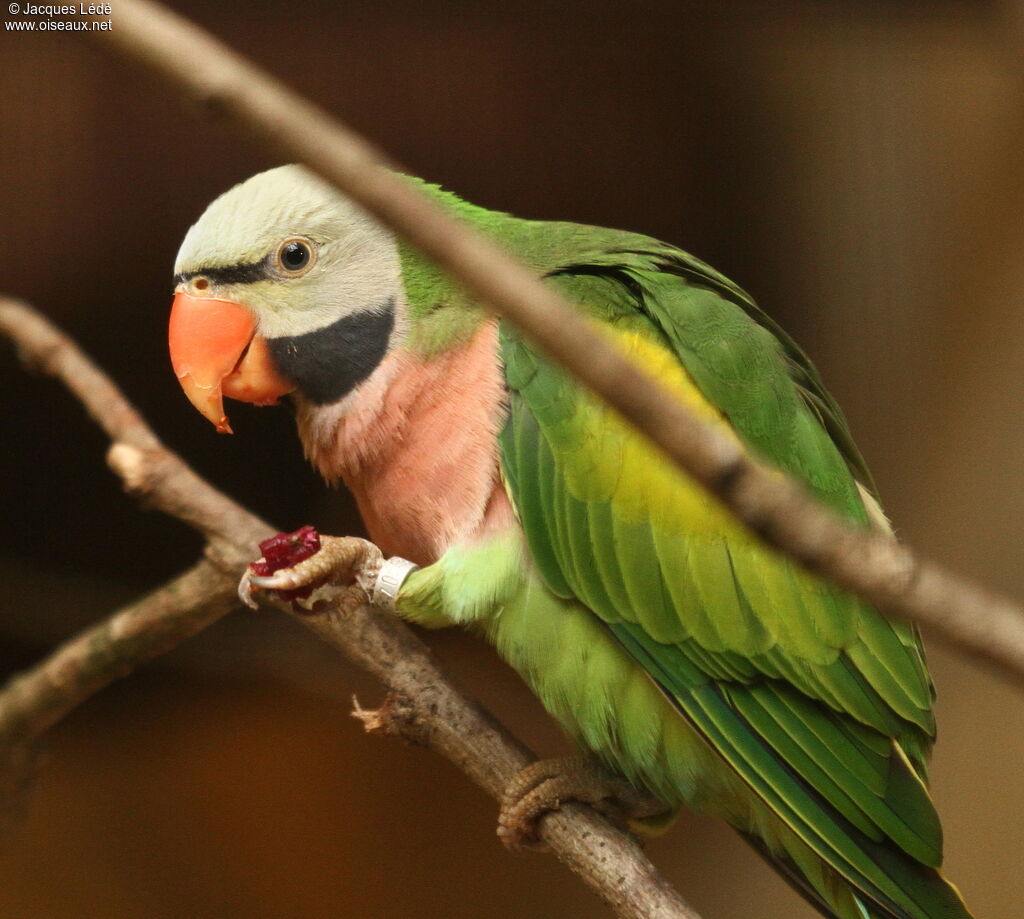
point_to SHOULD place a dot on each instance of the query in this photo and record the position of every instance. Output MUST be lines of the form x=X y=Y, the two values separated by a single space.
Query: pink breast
x=417 y=446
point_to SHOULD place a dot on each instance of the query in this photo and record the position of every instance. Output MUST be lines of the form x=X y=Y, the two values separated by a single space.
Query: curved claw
x=274 y=581
x=295 y=578
x=245 y=589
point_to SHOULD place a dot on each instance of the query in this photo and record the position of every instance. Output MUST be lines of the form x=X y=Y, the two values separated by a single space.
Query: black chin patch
x=330 y=362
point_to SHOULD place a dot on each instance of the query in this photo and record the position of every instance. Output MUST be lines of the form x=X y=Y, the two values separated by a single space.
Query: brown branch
x=438 y=715
x=33 y=702
x=45 y=348
x=181 y=492
x=229 y=88
x=434 y=711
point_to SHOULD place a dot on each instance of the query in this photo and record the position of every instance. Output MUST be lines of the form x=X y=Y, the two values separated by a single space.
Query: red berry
x=285 y=550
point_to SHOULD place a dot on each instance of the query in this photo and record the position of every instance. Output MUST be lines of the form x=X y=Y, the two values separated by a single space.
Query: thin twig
x=229 y=88
x=45 y=347
x=434 y=711
x=33 y=702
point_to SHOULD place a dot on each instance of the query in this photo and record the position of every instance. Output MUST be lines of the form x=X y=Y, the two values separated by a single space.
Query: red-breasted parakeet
x=687 y=656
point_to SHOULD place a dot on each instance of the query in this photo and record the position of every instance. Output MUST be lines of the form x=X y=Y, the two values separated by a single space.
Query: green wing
x=819 y=703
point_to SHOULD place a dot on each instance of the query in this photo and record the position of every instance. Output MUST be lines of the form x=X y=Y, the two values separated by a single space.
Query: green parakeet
x=684 y=654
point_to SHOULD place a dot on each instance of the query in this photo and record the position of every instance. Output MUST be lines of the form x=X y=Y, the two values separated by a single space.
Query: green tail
x=806 y=830
x=928 y=895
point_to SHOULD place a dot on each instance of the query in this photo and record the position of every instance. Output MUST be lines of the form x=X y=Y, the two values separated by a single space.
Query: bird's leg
x=344 y=562
x=545 y=785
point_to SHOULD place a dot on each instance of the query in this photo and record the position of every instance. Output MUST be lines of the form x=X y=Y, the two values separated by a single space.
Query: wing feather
x=818 y=702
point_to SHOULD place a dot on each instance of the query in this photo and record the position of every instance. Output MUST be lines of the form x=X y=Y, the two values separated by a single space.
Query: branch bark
x=227 y=87
x=35 y=701
x=434 y=711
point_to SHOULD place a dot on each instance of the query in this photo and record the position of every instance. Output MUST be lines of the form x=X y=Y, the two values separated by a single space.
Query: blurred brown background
x=857 y=166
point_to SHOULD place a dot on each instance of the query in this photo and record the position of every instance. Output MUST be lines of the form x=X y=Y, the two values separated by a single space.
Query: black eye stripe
x=229 y=274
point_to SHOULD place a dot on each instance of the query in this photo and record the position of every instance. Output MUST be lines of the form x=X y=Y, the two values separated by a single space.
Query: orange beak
x=215 y=352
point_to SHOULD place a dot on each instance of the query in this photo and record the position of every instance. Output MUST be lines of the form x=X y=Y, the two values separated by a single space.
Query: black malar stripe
x=328 y=363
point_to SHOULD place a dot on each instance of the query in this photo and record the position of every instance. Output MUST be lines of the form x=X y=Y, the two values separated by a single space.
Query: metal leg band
x=390 y=580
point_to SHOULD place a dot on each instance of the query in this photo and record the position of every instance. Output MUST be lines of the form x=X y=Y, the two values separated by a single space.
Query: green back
x=819 y=703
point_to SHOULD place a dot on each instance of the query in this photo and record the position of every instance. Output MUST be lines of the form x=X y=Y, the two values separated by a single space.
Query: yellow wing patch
x=628 y=470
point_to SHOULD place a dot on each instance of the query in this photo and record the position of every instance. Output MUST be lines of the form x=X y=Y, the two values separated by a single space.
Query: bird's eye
x=296 y=256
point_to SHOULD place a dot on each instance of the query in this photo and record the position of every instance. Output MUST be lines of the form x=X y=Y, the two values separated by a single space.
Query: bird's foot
x=311 y=570
x=545 y=785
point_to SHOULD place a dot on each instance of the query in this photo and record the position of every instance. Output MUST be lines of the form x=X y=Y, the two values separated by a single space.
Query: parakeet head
x=283 y=285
